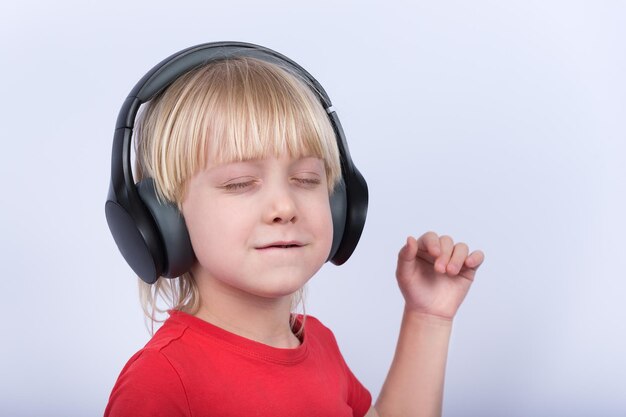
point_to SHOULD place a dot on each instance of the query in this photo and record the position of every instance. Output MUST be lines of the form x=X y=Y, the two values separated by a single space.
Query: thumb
x=408 y=251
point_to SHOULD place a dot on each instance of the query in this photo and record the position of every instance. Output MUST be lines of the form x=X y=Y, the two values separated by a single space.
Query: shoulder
x=149 y=385
x=148 y=364
x=322 y=339
x=313 y=324
x=316 y=331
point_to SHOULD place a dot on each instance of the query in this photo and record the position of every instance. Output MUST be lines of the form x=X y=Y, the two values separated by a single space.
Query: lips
x=281 y=245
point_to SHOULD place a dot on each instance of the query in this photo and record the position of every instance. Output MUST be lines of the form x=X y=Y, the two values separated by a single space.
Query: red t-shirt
x=193 y=368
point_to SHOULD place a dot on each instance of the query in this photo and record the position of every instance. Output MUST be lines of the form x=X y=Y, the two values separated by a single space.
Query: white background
x=499 y=123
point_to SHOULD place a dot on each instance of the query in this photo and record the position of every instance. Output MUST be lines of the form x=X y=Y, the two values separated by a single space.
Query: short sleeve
x=359 y=397
x=148 y=386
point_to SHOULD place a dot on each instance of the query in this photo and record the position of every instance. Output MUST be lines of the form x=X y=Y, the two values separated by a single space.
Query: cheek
x=207 y=233
x=200 y=231
x=325 y=224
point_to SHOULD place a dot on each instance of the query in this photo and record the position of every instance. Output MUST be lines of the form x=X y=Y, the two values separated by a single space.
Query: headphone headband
x=167 y=71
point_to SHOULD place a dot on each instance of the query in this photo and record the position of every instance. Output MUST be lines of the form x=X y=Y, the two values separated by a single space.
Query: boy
x=242 y=148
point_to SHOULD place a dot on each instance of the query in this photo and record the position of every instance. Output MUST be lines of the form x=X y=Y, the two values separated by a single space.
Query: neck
x=264 y=320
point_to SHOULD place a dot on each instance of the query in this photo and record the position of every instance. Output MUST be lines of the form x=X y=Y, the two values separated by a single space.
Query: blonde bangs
x=233 y=110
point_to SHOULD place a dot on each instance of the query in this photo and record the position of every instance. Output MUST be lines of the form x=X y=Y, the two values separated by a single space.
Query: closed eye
x=237 y=185
x=308 y=181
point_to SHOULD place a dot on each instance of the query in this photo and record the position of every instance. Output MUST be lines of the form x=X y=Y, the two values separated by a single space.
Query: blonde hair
x=228 y=110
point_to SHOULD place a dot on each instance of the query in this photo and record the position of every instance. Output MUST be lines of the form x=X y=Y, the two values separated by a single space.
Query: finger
x=447 y=244
x=429 y=243
x=459 y=254
x=475 y=259
x=409 y=250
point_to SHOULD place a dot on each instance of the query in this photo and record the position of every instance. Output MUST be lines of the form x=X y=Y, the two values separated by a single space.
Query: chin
x=281 y=284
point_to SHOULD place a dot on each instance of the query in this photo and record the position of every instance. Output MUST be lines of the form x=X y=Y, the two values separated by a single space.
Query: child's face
x=262 y=227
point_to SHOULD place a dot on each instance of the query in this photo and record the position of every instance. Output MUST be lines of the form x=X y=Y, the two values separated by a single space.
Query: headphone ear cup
x=136 y=240
x=351 y=206
x=339 y=212
x=177 y=249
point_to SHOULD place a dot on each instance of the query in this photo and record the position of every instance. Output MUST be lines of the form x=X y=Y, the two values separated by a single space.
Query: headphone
x=151 y=234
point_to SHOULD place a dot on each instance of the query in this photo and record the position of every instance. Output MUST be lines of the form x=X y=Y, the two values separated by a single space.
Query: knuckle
x=446 y=239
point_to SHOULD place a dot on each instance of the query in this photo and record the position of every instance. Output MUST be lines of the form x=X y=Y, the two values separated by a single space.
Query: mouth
x=281 y=245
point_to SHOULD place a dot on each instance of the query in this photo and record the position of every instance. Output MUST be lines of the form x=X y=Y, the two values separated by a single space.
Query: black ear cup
x=351 y=201
x=339 y=211
x=355 y=214
x=141 y=251
x=152 y=235
x=178 y=256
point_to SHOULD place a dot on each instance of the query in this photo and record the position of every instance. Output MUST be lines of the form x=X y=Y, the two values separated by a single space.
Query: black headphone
x=152 y=236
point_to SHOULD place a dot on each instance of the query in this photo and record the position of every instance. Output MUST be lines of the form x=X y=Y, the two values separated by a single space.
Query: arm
x=434 y=276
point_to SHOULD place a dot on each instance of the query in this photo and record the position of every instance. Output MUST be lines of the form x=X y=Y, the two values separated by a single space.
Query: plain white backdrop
x=501 y=124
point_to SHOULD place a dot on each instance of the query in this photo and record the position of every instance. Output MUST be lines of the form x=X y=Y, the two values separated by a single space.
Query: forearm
x=414 y=385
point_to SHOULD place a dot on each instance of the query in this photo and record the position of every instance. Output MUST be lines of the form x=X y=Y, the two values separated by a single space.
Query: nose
x=281 y=206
